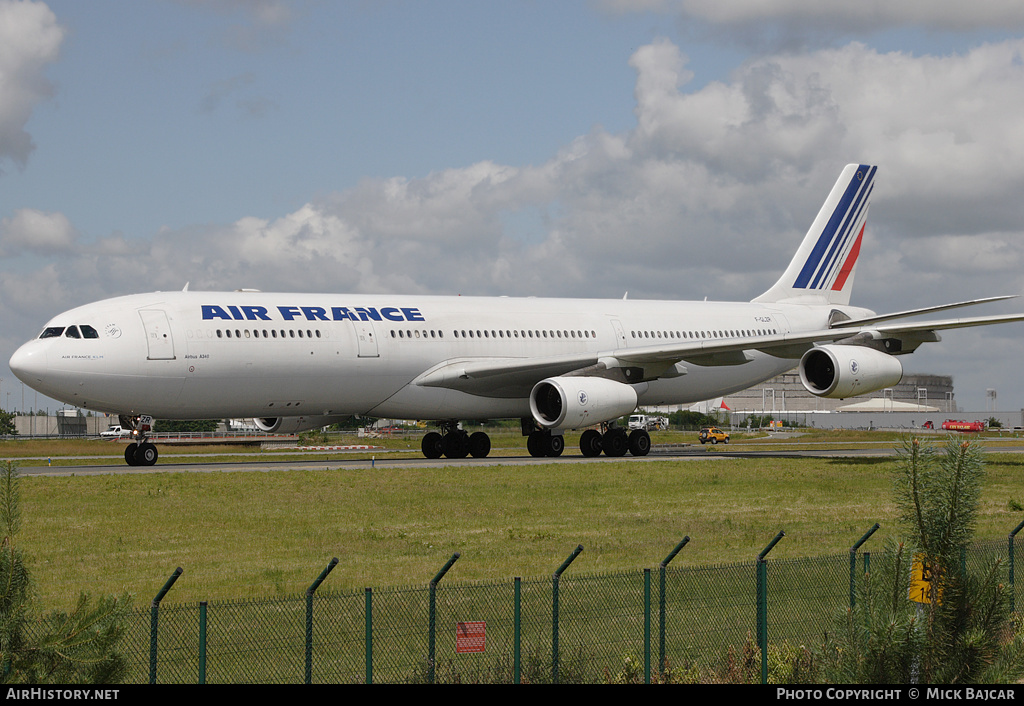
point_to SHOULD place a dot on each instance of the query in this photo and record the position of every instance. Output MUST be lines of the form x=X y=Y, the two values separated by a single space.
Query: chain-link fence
x=628 y=626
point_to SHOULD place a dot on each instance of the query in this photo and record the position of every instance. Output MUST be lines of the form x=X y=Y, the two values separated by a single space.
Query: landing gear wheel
x=431 y=445
x=615 y=443
x=535 y=444
x=555 y=445
x=639 y=442
x=479 y=444
x=146 y=454
x=455 y=444
x=590 y=443
x=129 y=454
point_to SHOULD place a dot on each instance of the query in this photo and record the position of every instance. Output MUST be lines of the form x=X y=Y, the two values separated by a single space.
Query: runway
x=326 y=460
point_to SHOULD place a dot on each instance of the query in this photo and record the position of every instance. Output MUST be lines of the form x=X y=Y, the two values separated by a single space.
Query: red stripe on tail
x=851 y=260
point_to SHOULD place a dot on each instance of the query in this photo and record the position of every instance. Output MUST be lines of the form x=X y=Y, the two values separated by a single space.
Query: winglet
x=822 y=269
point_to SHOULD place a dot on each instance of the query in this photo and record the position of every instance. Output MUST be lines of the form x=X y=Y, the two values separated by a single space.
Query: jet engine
x=574 y=402
x=845 y=371
x=293 y=425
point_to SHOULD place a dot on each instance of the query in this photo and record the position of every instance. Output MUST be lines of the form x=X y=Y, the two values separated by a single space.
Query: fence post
x=154 y=619
x=853 y=561
x=202 y=642
x=433 y=616
x=762 y=605
x=1013 y=589
x=647 y=626
x=662 y=603
x=517 y=631
x=309 y=616
x=369 y=635
x=554 y=610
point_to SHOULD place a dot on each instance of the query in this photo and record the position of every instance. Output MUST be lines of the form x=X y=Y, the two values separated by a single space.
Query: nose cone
x=29 y=363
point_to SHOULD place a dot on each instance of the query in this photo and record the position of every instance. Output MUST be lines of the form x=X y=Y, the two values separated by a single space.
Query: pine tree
x=76 y=647
x=961 y=629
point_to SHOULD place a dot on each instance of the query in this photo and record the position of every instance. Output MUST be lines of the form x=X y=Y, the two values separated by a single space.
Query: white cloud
x=706 y=196
x=37 y=232
x=30 y=40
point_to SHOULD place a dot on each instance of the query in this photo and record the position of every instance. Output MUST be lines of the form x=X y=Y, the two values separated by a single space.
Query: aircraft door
x=620 y=335
x=158 y=334
x=781 y=322
x=367 y=339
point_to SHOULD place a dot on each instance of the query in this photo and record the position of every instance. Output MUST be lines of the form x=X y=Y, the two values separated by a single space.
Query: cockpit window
x=88 y=331
x=52 y=332
x=72 y=332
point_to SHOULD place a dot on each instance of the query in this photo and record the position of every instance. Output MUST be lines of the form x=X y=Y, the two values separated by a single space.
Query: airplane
x=294 y=362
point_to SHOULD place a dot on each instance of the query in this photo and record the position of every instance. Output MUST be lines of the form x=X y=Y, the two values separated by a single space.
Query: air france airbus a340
x=299 y=361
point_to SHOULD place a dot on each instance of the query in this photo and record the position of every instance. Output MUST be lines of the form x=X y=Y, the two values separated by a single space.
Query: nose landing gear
x=140 y=451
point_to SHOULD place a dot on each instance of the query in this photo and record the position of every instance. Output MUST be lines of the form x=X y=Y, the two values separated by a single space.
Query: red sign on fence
x=470 y=636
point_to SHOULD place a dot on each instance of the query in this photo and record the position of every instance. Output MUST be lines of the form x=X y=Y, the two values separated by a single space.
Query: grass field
x=260 y=534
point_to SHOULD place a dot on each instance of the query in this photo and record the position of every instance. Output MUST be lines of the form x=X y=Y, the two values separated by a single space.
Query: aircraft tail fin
x=823 y=267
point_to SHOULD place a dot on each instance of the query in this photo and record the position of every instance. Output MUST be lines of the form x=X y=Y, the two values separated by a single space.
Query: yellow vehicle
x=714 y=435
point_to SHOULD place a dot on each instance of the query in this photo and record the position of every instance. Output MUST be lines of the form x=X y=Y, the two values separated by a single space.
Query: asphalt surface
x=282 y=461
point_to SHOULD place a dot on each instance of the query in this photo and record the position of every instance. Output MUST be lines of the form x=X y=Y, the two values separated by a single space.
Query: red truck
x=958 y=425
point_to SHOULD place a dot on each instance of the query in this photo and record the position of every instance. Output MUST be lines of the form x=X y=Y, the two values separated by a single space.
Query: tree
x=187 y=426
x=691 y=420
x=7 y=424
x=76 y=647
x=920 y=616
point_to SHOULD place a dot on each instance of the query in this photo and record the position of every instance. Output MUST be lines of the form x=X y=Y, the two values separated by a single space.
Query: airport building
x=918 y=398
x=785 y=393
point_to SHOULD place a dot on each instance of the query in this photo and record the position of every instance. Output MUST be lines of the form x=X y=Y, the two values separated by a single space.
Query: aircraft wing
x=917 y=312
x=501 y=377
x=515 y=377
x=913 y=335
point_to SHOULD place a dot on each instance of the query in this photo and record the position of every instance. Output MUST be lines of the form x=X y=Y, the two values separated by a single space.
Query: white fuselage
x=193 y=355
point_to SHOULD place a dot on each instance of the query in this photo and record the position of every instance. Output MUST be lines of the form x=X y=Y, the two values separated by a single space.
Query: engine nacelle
x=574 y=402
x=845 y=371
x=293 y=425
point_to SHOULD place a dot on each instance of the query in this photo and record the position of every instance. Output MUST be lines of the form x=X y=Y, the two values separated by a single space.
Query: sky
x=671 y=149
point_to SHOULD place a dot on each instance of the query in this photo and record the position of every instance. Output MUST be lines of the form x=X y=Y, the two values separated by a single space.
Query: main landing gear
x=453 y=442
x=613 y=441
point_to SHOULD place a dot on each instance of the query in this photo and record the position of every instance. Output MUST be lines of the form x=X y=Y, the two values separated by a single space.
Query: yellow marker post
x=921 y=578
